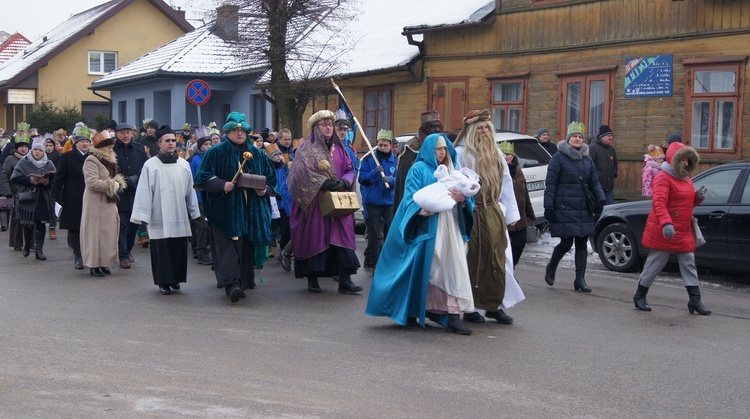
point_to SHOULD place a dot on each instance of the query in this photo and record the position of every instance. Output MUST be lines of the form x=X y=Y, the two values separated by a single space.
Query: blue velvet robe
x=399 y=285
x=241 y=212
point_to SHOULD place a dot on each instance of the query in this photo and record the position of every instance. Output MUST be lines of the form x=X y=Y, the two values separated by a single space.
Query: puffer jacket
x=605 y=159
x=566 y=196
x=673 y=200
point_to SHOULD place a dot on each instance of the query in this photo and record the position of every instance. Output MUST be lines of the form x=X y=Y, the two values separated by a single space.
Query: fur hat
x=603 y=130
x=236 y=120
x=428 y=116
x=655 y=152
x=104 y=141
x=576 y=128
x=317 y=116
x=674 y=138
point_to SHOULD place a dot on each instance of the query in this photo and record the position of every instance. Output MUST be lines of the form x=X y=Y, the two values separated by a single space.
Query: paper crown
x=61 y=131
x=272 y=149
x=23 y=126
x=385 y=134
x=81 y=130
x=506 y=147
x=186 y=127
x=341 y=116
x=577 y=128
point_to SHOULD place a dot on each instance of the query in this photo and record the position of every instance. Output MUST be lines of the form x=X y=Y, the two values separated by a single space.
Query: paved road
x=78 y=346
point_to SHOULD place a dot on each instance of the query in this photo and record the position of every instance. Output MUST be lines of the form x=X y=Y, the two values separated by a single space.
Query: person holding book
x=33 y=174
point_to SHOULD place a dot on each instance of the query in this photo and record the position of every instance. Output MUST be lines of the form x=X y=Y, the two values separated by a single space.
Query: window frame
x=608 y=77
x=101 y=62
x=376 y=125
x=737 y=97
x=523 y=103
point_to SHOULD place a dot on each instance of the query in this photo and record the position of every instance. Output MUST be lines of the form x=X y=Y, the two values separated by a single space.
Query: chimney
x=227 y=22
x=179 y=12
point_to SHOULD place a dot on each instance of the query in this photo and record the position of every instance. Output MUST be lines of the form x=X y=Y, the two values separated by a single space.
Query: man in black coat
x=605 y=160
x=131 y=156
x=149 y=140
x=67 y=190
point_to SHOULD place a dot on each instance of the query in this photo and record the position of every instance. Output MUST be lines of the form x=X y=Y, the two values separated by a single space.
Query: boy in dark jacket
x=605 y=159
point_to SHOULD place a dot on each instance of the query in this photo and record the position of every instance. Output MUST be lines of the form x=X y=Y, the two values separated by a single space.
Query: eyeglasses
x=170 y=140
x=325 y=123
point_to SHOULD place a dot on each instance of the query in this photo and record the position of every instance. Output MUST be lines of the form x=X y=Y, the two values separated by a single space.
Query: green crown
x=23 y=126
x=577 y=127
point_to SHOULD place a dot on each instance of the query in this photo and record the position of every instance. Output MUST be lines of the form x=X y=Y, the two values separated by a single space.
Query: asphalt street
x=78 y=346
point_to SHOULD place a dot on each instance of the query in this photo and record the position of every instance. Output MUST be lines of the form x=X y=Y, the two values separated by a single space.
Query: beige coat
x=100 y=222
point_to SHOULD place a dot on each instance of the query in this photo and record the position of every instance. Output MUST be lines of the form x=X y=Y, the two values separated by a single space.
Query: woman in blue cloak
x=422 y=269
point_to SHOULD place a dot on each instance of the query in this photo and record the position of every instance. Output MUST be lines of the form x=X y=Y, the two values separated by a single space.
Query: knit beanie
x=674 y=138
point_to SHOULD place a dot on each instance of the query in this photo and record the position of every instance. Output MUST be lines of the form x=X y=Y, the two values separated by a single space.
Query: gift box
x=338 y=204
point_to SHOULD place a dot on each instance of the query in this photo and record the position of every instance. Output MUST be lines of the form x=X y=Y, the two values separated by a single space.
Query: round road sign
x=198 y=92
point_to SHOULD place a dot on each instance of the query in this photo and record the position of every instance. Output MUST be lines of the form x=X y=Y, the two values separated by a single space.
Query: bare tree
x=300 y=42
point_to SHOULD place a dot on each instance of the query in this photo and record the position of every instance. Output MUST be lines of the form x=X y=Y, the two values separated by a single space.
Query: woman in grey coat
x=571 y=183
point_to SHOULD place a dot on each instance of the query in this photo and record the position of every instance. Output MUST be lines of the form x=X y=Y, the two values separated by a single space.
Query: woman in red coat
x=669 y=225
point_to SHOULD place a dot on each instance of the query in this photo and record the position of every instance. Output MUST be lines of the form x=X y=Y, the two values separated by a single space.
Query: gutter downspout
x=103 y=97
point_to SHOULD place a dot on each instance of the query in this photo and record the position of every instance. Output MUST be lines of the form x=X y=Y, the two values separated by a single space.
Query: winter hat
x=162 y=131
x=541 y=131
x=202 y=141
x=122 y=126
x=236 y=120
x=385 y=134
x=674 y=138
x=186 y=127
x=429 y=116
x=151 y=123
x=655 y=152
x=112 y=124
x=603 y=130
x=506 y=147
x=576 y=128
x=38 y=143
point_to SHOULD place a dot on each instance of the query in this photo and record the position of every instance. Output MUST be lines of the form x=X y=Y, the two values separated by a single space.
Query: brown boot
x=52 y=233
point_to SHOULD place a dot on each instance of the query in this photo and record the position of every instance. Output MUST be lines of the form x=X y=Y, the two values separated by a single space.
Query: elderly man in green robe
x=240 y=218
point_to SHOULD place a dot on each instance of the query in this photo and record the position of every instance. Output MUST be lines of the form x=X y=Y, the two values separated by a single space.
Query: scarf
x=305 y=179
x=37 y=163
x=167 y=158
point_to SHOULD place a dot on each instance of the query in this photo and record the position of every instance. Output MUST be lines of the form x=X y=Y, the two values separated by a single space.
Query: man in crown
x=240 y=219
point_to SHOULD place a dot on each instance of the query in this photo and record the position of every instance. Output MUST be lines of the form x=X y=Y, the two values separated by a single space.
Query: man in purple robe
x=323 y=246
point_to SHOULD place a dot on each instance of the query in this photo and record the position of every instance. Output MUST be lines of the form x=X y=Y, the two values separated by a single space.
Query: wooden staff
x=361 y=131
x=247 y=156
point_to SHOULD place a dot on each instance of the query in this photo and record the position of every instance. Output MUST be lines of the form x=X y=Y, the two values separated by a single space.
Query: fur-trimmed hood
x=677 y=152
x=571 y=152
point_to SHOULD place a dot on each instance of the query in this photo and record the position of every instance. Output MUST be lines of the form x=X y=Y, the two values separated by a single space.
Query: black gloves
x=599 y=207
x=329 y=185
x=379 y=169
x=131 y=181
x=548 y=214
x=386 y=181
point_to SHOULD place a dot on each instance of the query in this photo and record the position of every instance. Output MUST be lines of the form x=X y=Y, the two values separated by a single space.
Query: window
x=258 y=120
x=713 y=104
x=720 y=185
x=508 y=105
x=448 y=97
x=378 y=110
x=140 y=110
x=586 y=98
x=122 y=111
x=102 y=62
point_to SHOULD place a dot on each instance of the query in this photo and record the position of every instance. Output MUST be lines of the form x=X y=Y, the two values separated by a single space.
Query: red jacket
x=673 y=200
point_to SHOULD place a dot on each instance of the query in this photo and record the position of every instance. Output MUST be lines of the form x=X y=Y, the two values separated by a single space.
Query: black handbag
x=26 y=197
x=590 y=201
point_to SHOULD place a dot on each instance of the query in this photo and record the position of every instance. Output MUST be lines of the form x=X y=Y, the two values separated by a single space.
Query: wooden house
x=646 y=68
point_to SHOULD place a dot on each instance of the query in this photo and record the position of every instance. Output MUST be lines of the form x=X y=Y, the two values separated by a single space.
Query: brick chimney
x=227 y=22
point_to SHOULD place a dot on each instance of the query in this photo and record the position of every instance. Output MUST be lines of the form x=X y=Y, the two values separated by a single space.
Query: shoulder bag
x=697 y=234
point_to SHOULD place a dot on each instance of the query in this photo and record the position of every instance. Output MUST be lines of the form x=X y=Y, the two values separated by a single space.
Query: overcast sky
x=34 y=18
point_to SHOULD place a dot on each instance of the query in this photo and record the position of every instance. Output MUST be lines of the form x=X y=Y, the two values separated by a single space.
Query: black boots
x=640 y=298
x=500 y=317
x=74 y=241
x=28 y=237
x=695 y=303
x=346 y=285
x=580 y=283
x=312 y=284
x=455 y=325
x=39 y=243
x=549 y=275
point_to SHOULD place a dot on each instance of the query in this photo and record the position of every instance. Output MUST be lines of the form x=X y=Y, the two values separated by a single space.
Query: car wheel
x=617 y=248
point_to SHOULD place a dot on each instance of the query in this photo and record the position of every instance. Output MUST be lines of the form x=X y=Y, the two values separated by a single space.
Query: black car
x=723 y=217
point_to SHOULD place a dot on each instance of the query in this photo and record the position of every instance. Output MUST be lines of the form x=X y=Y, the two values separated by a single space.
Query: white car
x=533 y=159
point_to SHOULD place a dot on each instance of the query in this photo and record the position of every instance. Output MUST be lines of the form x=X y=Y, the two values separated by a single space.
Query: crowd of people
x=446 y=217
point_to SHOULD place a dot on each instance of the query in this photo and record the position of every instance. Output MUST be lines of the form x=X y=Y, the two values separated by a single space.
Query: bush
x=47 y=117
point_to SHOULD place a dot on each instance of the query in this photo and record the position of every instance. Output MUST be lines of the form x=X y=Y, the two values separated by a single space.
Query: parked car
x=723 y=217
x=533 y=159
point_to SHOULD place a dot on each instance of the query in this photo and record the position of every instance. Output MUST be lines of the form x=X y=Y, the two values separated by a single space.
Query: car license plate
x=535 y=186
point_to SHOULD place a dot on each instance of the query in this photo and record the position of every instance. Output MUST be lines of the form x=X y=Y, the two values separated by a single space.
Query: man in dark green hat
x=240 y=218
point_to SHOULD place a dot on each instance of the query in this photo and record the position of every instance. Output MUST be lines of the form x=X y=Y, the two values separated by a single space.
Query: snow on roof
x=12 y=45
x=377 y=31
x=39 y=49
